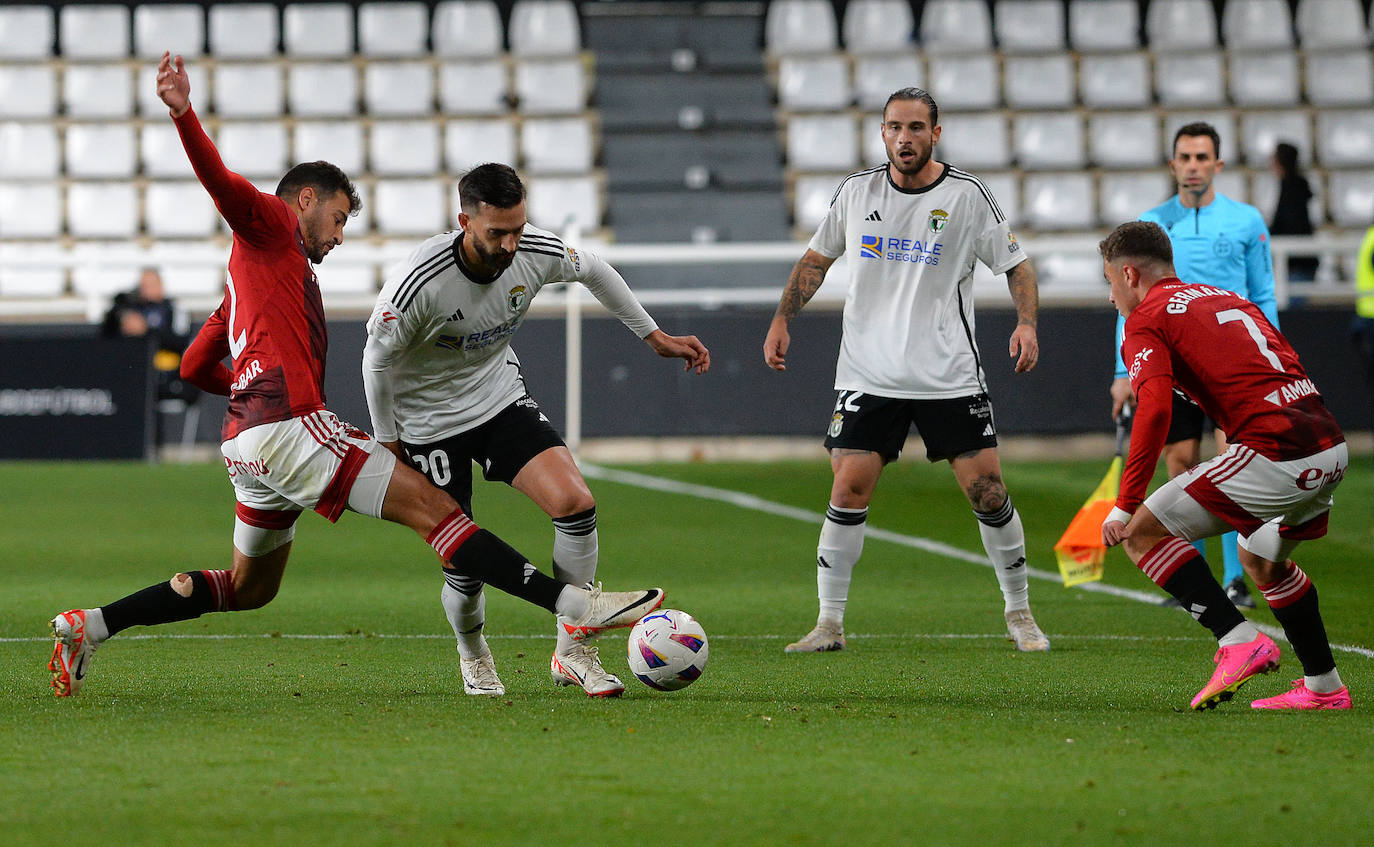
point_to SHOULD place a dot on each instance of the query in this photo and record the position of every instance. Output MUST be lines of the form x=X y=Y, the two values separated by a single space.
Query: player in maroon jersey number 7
x=1273 y=484
x=283 y=450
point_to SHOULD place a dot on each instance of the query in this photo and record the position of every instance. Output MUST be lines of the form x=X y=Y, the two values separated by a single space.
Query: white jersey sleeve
x=829 y=239
x=996 y=246
x=610 y=289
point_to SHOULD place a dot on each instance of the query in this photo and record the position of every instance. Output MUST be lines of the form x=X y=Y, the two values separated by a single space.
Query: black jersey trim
x=987 y=195
x=923 y=189
x=418 y=278
x=558 y=255
x=542 y=241
x=972 y=345
x=463 y=265
x=840 y=187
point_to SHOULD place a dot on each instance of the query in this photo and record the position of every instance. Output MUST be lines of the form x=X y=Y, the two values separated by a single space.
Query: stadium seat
x=93 y=31
x=1124 y=139
x=98 y=90
x=955 y=26
x=873 y=151
x=145 y=93
x=1124 y=196
x=339 y=142
x=1058 y=201
x=556 y=145
x=1029 y=26
x=811 y=196
x=468 y=28
x=178 y=27
x=1261 y=131
x=247 y=90
x=878 y=26
x=26 y=32
x=474 y=88
x=1115 y=80
x=1103 y=25
x=98 y=283
x=468 y=143
x=244 y=30
x=1327 y=24
x=30 y=210
x=965 y=81
x=1233 y=184
x=398 y=88
x=404 y=148
x=544 y=28
x=876 y=77
x=1264 y=78
x=1189 y=79
x=1038 y=82
x=813 y=83
x=322 y=89
x=1341 y=78
x=102 y=210
x=346 y=279
x=318 y=30
x=409 y=207
x=1351 y=198
x=1257 y=24
x=1180 y=25
x=256 y=149
x=1222 y=120
x=822 y=142
x=360 y=225
x=1005 y=188
x=559 y=203
x=183 y=280
x=160 y=152
x=799 y=26
x=29 y=150
x=1048 y=140
x=100 y=150
x=1346 y=139
x=393 y=30
x=1062 y=271
x=31 y=282
x=179 y=209
x=550 y=86
x=27 y=91
x=974 y=140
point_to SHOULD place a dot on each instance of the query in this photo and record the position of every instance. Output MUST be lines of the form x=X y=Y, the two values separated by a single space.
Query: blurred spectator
x=147 y=312
x=1290 y=212
x=1362 y=329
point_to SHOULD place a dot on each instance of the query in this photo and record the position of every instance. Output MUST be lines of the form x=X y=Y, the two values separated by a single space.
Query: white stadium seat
x=975 y=140
x=876 y=77
x=101 y=150
x=1123 y=196
x=1058 y=201
x=247 y=90
x=338 y=142
x=1029 y=26
x=1351 y=198
x=799 y=26
x=811 y=199
x=102 y=210
x=1048 y=140
x=550 y=86
x=474 y=88
x=409 y=207
x=160 y=151
x=1005 y=187
x=872 y=149
x=360 y=225
x=318 y=30
x=98 y=90
x=322 y=89
x=1261 y=131
x=29 y=150
x=1189 y=79
x=26 y=32
x=558 y=202
x=1257 y=24
x=556 y=145
x=822 y=143
x=393 y=29
x=1115 y=80
x=1124 y=139
x=1039 y=82
x=256 y=149
x=1233 y=184
x=31 y=282
x=346 y=279
x=1346 y=139
x=404 y=148
x=98 y=282
x=878 y=27
x=398 y=88
x=955 y=26
x=468 y=143
x=1180 y=25
x=185 y=280
x=970 y=81
x=244 y=30
x=544 y=28
x=1339 y=78
x=1103 y=25
x=175 y=27
x=1328 y=24
x=1063 y=271
x=1264 y=78
x=30 y=210
x=27 y=91
x=180 y=209
x=93 y=31
x=814 y=82
x=145 y=93
x=470 y=28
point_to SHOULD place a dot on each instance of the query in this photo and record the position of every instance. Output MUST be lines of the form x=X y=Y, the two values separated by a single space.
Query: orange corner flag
x=1080 y=551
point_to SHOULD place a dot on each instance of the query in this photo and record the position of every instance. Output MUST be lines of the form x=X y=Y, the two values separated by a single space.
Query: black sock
x=1302 y=623
x=484 y=556
x=1203 y=597
x=158 y=604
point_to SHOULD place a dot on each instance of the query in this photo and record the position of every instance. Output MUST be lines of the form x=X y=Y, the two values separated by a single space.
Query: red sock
x=450 y=534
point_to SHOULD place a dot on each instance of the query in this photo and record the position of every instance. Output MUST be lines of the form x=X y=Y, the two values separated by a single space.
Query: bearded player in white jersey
x=913 y=229
x=444 y=389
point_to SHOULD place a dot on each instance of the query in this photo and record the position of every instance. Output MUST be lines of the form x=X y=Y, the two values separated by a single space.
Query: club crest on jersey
x=871 y=246
x=517 y=298
x=938 y=219
x=1221 y=247
x=836 y=424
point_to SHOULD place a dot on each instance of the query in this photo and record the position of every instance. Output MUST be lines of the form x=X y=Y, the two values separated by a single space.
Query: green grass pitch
x=335 y=714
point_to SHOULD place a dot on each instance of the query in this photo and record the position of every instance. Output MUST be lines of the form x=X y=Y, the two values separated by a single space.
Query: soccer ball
x=668 y=650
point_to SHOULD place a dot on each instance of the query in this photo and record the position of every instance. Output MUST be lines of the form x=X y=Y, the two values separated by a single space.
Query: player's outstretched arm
x=173 y=84
x=802 y=285
x=685 y=347
x=1025 y=294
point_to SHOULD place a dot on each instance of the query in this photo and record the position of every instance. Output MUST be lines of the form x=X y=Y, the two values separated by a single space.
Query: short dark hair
x=322 y=176
x=914 y=93
x=492 y=183
x=1199 y=128
x=1137 y=240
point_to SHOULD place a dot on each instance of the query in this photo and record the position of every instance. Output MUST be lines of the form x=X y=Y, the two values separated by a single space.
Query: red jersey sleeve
x=202 y=364
x=1151 y=372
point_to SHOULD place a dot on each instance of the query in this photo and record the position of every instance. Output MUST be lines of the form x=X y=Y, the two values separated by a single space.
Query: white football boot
x=580 y=665
x=1022 y=629
x=479 y=676
x=72 y=653
x=827 y=637
x=611 y=610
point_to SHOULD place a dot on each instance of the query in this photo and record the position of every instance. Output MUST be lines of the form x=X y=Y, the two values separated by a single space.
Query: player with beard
x=913 y=229
x=283 y=450
x=444 y=390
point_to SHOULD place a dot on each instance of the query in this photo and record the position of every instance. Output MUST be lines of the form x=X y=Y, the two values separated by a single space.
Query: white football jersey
x=908 y=316
x=439 y=340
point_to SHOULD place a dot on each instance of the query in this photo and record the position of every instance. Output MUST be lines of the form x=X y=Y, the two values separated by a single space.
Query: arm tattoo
x=801 y=287
x=1024 y=293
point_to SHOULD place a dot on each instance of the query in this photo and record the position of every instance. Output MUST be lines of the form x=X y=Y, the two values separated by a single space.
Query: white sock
x=467 y=614
x=574 y=556
x=1005 y=543
x=573 y=602
x=1324 y=683
x=96 y=630
x=841 y=544
x=1242 y=633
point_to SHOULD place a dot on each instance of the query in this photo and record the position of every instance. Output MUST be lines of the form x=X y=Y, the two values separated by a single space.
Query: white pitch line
x=758 y=504
x=426 y=636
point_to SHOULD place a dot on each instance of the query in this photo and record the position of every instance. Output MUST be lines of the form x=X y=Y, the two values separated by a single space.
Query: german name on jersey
x=908 y=316
x=1220 y=349
x=439 y=336
x=271 y=321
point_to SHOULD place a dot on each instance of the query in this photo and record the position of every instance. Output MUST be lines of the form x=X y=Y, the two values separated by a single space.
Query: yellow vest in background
x=1364 y=277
